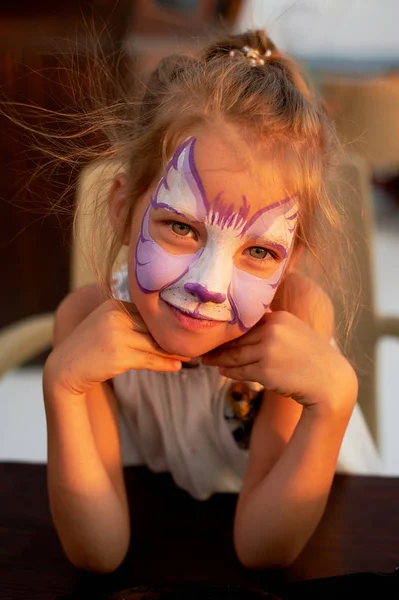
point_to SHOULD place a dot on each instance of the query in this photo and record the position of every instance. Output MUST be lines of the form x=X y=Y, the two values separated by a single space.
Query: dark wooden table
x=179 y=539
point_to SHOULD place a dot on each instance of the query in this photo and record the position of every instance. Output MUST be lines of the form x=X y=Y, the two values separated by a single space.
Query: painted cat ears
x=181 y=175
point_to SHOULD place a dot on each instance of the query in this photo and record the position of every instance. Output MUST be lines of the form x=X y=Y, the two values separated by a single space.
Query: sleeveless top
x=196 y=424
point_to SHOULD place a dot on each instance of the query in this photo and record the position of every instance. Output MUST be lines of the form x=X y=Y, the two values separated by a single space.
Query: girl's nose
x=203 y=294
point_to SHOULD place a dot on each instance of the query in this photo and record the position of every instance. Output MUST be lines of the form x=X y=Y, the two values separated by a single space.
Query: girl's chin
x=186 y=350
x=190 y=348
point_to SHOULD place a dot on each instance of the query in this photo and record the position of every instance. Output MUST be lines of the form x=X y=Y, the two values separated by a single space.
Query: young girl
x=211 y=347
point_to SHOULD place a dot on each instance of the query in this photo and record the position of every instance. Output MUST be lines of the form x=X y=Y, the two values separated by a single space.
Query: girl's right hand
x=104 y=345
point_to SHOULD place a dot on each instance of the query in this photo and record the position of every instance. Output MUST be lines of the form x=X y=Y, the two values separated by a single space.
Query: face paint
x=207 y=283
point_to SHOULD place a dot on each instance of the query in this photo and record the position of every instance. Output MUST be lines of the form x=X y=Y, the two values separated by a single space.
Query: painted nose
x=203 y=294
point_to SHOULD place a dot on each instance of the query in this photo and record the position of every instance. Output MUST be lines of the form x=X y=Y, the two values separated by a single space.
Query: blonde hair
x=270 y=103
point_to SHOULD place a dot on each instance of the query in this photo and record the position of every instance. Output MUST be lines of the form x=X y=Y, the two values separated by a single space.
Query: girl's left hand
x=287 y=356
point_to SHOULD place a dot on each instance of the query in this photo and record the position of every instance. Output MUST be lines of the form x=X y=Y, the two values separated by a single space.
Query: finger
x=153 y=362
x=242 y=355
x=238 y=342
x=250 y=338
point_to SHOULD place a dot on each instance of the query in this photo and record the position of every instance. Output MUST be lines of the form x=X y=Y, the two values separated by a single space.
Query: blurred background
x=351 y=49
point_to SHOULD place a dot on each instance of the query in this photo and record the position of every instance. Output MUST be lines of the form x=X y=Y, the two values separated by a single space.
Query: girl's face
x=209 y=242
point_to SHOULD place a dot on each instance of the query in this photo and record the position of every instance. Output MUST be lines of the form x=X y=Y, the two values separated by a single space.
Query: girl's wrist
x=336 y=399
x=54 y=382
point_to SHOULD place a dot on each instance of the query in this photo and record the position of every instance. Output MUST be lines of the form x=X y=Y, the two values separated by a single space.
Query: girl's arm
x=85 y=477
x=293 y=455
x=95 y=340
x=281 y=504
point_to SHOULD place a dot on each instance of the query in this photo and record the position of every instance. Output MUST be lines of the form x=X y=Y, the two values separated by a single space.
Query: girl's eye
x=258 y=252
x=180 y=228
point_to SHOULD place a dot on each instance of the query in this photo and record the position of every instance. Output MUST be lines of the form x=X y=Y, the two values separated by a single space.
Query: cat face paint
x=208 y=284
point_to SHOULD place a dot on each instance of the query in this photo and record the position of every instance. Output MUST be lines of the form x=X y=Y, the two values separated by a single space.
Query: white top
x=176 y=422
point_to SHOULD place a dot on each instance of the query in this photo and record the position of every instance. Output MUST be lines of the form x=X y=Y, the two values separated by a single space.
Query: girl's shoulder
x=75 y=307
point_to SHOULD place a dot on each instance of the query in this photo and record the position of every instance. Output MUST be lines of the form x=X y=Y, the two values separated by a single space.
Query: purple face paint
x=208 y=283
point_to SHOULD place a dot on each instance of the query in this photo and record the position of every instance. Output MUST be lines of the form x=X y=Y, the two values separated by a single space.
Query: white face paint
x=208 y=284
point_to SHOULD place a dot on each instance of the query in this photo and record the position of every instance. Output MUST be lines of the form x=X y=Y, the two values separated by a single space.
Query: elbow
x=267 y=548
x=266 y=558
x=98 y=568
x=265 y=562
x=97 y=564
x=98 y=560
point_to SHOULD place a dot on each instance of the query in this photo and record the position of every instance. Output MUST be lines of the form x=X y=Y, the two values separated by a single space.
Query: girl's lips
x=189 y=322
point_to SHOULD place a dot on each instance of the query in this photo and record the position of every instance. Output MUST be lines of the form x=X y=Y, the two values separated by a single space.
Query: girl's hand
x=104 y=345
x=287 y=356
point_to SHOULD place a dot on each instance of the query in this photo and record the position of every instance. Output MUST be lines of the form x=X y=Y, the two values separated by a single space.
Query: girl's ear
x=117 y=205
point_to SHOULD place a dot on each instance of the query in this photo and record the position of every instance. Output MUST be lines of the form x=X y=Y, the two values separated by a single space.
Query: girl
x=211 y=345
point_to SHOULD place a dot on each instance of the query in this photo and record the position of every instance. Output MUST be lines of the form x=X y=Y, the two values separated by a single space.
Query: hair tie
x=252 y=54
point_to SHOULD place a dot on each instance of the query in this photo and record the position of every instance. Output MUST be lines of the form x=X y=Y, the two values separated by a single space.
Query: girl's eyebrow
x=184 y=215
x=267 y=239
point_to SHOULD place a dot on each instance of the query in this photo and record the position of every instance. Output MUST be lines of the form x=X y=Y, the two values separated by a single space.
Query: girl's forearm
x=91 y=519
x=276 y=518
